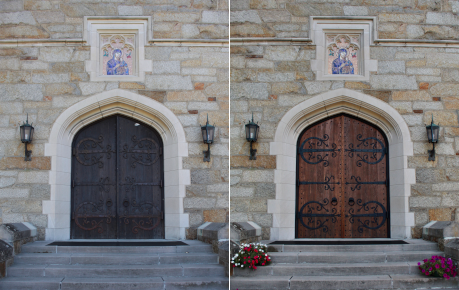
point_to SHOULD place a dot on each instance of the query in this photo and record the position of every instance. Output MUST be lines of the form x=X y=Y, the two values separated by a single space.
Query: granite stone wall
x=398 y=19
x=42 y=80
x=62 y=19
x=418 y=80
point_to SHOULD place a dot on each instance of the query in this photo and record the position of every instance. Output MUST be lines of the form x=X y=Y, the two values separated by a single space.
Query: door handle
x=334 y=201
x=351 y=201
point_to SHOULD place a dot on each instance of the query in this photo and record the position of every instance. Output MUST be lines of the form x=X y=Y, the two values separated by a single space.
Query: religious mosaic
x=117 y=54
x=343 y=53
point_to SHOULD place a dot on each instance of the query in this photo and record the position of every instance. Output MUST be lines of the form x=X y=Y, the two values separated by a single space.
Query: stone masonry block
x=56 y=54
x=130 y=10
x=168 y=82
x=394 y=82
x=245 y=16
x=220 y=17
x=21 y=92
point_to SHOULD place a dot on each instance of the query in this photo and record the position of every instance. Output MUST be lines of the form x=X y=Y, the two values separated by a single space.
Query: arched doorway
x=342 y=180
x=117 y=181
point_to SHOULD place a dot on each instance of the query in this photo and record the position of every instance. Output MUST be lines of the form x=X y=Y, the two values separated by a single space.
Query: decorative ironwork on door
x=117 y=181
x=342 y=180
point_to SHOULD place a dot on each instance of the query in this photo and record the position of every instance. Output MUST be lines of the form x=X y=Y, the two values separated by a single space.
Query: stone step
x=331 y=269
x=413 y=281
x=116 y=259
x=352 y=257
x=427 y=246
x=61 y=283
x=119 y=271
x=42 y=247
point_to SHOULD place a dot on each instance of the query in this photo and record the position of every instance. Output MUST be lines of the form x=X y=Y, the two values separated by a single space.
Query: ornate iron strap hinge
x=367 y=154
x=358 y=183
x=326 y=183
x=317 y=155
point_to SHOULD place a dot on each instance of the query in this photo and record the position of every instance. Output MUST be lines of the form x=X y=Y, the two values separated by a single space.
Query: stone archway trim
x=92 y=109
x=320 y=107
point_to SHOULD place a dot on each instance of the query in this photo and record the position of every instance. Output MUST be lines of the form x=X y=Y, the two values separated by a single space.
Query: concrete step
x=417 y=246
x=116 y=259
x=30 y=283
x=351 y=257
x=119 y=271
x=413 y=281
x=42 y=247
x=344 y=269
x=169 y=283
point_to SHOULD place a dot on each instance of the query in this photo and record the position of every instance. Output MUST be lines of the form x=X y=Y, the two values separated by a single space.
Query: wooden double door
x=117 y=181
x=342 y=180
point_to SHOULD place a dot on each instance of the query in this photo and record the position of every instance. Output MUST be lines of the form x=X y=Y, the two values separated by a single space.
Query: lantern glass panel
x=210 y=134
x=26 y=132
x=429 y=134
x=251 y=132
x=432 y=133
x=204 y=134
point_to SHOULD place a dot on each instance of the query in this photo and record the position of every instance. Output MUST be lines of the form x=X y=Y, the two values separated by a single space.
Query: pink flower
x=447 y=270
x=437 y=266
x=419 y=264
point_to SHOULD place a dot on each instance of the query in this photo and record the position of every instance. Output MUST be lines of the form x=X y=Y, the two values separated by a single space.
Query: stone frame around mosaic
x=322 y=25
x=141 y=26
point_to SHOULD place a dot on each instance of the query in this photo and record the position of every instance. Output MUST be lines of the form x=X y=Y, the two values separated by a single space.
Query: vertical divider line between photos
x=229 y=144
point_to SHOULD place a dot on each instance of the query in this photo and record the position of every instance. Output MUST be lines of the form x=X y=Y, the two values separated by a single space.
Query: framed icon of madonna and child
x=343 y=52
x=117 y=55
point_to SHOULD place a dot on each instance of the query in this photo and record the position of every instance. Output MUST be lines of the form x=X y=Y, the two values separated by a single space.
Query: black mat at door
x=339 y=243
x=118 y=244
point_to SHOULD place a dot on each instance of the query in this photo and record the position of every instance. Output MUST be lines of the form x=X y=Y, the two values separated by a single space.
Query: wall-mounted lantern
x=208 y=138
x=432 y=135
x=251 y=134
x=26 y=131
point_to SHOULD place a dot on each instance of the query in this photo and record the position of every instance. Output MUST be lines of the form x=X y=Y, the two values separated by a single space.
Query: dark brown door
x=117 y=181
x=342 y=180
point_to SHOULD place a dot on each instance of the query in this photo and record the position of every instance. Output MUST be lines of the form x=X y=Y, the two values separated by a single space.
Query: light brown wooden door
x=342 y=180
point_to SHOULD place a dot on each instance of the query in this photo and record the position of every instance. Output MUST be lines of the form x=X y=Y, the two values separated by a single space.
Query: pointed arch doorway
x=117 y=181
x=342 y=180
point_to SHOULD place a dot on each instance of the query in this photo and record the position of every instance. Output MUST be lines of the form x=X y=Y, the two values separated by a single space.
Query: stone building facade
x=277 y=73
x=48 y=71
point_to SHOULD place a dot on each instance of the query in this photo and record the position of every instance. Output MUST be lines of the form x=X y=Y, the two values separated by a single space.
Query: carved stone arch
x=323 y=106
x=95 y=108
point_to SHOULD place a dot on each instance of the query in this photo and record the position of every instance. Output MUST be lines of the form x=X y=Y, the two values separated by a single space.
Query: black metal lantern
x=208 y=138
x=251 y=134
x=26 y=132
x=432 y=135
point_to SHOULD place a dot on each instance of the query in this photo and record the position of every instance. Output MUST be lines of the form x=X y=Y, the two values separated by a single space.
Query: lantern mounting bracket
x=253 y=152
x=207 y=154
x=28 y=154
x=432 y=153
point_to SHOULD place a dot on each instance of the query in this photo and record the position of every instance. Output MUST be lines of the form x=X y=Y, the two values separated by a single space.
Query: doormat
x=339 y=243
x=117 y=244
